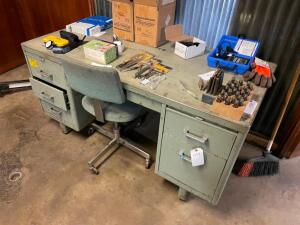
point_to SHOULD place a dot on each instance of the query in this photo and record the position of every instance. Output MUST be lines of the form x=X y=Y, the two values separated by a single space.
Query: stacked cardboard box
x=143 y=20
x=123 y=20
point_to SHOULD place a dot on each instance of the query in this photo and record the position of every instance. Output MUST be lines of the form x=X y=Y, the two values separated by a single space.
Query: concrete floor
x=57 y=188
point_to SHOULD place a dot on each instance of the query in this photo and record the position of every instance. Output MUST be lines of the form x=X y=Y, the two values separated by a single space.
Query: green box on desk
x=100 y=51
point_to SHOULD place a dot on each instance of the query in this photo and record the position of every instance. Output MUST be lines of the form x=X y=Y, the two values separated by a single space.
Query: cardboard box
x=100 y=51
x=175 y=33
x=122 y=13
x=150 y=19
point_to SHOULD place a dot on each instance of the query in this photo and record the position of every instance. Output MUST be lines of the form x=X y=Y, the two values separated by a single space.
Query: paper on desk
x=100 y=65
x=145 y=82
x=206 y=76
x=99 y=34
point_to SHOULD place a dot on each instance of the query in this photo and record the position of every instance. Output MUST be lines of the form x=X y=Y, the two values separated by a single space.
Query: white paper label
x=250 y=108
x=145 y=82
x=262 y=63
x=245 y=47
x=207 y=76
x=197 y=157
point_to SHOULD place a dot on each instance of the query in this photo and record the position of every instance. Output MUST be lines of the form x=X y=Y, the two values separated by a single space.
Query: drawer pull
x=59 y=112
x=47 y=96
x=46 y=75
x=194 y=137
x=184 y=156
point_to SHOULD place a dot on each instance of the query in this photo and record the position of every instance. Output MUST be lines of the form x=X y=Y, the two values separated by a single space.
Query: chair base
x=111 y=148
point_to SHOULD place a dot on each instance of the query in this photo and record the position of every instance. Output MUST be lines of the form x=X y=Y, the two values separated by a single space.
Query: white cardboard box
x=175 y=33
x=84 y=28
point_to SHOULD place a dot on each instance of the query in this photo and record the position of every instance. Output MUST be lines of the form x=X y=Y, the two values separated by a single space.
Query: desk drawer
x=57 y=113
x=203 y=179
x=193 y=132
x=49 y=94
x=46 y=70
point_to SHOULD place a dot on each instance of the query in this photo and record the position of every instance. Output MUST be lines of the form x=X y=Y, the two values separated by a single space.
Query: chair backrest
x=101 y=83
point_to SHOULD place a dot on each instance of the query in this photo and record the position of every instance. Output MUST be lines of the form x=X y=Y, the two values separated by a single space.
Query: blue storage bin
x=102 y=21
x=227 y=64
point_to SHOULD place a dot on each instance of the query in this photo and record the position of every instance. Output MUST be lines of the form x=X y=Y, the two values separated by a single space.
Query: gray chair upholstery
x=112 y=112
x=104 y=95
x=96 y=82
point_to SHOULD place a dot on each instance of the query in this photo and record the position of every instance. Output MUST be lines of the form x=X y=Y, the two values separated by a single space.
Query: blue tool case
x=233 y=54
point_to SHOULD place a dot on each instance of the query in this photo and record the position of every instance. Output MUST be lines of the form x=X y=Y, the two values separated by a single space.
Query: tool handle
x=284 y=106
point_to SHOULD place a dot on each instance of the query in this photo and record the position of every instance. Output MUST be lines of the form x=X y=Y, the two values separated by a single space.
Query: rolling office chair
x=105 y=99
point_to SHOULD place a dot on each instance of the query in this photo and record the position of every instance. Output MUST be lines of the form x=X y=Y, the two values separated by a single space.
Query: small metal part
x=219 y=99
x=236 y=103
x=228 y=100
x=15 y=176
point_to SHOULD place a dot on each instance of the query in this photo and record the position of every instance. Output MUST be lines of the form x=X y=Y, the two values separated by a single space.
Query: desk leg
x=64 y=128
x=183 y=194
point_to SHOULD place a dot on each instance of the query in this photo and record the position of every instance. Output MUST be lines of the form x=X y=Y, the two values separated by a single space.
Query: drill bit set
x=235 y=93
x=146 y=64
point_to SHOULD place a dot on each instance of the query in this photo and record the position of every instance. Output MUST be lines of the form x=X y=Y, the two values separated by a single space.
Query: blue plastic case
x=102 y=21
x=231 y=41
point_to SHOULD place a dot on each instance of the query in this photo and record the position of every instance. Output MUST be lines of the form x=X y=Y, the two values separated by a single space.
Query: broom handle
x=284 y=106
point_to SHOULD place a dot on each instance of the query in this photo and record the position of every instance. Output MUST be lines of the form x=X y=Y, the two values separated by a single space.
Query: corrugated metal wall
x=275 y=23
x=102 y=7
x=206 y=19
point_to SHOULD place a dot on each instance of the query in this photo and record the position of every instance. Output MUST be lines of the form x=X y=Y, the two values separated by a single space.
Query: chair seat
x=120 y=113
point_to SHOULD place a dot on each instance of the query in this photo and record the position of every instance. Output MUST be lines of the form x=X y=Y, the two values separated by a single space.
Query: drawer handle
x=185 y=157
x=47 y=96
x=46 y=75
x=59 y=112
x=194 y=137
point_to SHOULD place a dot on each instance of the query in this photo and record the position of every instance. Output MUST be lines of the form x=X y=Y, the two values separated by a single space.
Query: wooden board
x=228 y=110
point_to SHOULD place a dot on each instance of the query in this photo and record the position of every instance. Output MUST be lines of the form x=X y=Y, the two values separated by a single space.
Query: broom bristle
x=267 y=165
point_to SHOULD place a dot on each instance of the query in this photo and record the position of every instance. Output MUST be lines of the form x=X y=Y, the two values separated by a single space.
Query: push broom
x=267 y=164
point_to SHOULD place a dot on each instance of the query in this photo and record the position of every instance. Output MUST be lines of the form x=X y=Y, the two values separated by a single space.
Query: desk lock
x=46 y=75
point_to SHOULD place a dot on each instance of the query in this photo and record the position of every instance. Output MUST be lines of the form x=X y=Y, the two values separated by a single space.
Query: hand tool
x=13 y=86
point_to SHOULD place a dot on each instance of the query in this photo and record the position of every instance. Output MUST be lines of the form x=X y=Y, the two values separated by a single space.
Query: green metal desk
x=180 y=112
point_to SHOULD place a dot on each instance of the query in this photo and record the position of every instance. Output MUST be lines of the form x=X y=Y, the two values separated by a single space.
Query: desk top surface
x=170 y=90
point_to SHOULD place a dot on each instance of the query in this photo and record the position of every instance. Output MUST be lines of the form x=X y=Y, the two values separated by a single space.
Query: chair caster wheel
x=148 y=164
x=94 y=170
x=90 y=131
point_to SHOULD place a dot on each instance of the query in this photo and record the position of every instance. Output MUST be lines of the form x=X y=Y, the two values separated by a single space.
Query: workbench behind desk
x=185 y=122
